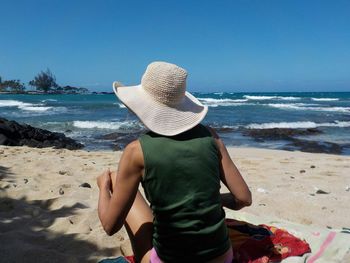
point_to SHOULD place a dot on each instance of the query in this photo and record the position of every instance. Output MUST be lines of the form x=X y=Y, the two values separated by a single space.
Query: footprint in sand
x=87 y=169
x=65 y=172
x=329 y=173
x=306 y=221
x=65 y=187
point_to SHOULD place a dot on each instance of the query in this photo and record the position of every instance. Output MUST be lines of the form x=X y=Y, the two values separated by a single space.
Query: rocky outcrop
x=278 y=133
x=120 y=140
x=15 y=134
x=314 y=146
x=295 y=143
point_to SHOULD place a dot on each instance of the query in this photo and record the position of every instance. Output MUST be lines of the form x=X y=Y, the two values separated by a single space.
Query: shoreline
x=48 y=198
x=311 y=122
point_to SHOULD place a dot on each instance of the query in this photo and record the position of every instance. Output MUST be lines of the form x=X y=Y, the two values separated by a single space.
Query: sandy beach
x=48 y=198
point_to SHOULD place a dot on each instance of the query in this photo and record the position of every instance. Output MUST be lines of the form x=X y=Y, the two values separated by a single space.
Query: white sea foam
x=121 y=105
x=50 y=100
x=259 y=97
x=14 y=103
x=106 y=125
x=249 y=97
x=25 y=106
x=222 y=102
x=301 y=106
x=324 y=99
x=288 y=98
x=298 y=125
x=293 y=106
x=34 y=108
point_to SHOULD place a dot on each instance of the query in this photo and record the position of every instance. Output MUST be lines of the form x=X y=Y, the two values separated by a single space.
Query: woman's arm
x=240 y=195
x=115 y=201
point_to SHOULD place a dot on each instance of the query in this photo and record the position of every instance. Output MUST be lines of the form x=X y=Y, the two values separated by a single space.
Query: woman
x=180 y=164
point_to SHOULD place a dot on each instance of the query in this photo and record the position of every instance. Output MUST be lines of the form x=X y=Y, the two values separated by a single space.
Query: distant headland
x=43 y=83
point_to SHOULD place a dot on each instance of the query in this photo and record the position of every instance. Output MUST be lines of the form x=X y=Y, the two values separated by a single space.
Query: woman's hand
x=104 y=181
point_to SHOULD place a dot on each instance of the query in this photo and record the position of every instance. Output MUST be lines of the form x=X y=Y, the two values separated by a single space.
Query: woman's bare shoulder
x=133 y=152
x=213 y=132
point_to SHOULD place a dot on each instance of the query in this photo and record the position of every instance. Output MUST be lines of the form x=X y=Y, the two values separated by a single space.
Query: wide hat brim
x=158 y=117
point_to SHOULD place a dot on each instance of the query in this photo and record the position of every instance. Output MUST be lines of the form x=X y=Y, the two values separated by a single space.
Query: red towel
x=262 y=243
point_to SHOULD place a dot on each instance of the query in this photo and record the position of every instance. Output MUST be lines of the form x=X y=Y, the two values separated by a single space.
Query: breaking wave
x=222 y=102
x=301 y=106
x=24 y=105
x=112 y=125
x=298 y=125
x=250 y=97
x=324 y=99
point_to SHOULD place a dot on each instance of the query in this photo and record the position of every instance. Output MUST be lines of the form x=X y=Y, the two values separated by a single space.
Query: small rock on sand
x=61 y=192
x=320 y=191
x=85 y=185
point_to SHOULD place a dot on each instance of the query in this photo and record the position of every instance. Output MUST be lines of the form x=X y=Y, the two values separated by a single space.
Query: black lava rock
x=279 y=133
x=85 y=185
x=14 y=134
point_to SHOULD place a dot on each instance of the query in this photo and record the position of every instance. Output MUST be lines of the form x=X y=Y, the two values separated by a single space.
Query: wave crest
x=251 y=97
x=301 y=106
x=324 y=99
x=297 y=125
x=222 y=102
x=116 y=125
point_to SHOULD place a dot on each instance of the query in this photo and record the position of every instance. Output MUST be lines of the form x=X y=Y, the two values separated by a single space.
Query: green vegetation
x=43 y=82
x=13 y=85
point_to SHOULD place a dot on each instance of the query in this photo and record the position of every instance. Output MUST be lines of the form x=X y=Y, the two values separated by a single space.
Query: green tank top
x=182 y=182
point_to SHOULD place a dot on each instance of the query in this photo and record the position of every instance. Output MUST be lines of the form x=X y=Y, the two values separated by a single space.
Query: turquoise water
x=86 y=117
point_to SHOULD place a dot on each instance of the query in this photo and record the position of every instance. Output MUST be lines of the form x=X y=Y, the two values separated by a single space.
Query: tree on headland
x=44 y=81
x=13 y=85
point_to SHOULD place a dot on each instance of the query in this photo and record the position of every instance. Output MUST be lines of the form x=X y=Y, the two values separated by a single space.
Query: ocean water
x=87 y=117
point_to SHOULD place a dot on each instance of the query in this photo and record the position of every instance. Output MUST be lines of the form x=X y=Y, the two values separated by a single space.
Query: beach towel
x=263 y=243
x=327 y=245
x=254 y=244
x=258 y=239
x=121 y=259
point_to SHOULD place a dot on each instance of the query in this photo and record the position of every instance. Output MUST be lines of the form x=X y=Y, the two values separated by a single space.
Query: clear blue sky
x=226 y=45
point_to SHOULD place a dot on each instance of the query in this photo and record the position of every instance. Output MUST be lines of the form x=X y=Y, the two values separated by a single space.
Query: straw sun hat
x=161 y=101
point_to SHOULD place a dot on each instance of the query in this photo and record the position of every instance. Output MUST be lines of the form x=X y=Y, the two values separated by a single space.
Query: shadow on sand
x=25 y=234
x=5 y=173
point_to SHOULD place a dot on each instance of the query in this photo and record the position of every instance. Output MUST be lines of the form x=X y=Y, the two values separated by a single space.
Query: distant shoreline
x=54 y=93
x=193 y=92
